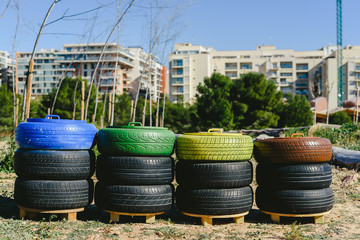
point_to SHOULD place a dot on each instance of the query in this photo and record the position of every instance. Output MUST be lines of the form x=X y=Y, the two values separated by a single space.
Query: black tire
x=127 y=170
x=197 y=174
x=295 y=201
x=53 y=195
x=309 y=176
x=54 y=165
x=133 y=199
x=214 y=201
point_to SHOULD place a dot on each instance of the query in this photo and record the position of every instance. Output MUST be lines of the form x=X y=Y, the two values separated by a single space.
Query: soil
x=342 y=223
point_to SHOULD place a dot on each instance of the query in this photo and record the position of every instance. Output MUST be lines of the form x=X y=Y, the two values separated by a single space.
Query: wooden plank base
x=318 y=217
x=149 y=217
x=32 y=214
x=207 y=220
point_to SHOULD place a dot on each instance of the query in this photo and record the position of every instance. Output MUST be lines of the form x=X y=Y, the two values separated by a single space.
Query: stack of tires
x=54 y=163
x=293 y=175
x=135 y=169
x=213 y=173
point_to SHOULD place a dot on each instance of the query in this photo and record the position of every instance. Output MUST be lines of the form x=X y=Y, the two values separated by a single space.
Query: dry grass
x=342 y=223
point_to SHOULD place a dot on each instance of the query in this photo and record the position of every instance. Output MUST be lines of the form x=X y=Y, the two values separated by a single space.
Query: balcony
x=357 y=68
x=177 y=81
x=302 y=67
x=286 y=65
x=245 y=66
x=302 y=75
x=230 y=66
x=177 y=63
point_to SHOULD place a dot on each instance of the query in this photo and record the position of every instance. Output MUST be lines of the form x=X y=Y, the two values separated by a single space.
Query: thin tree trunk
x=103 y=113
x=163 y=112
x=102 y=52
x=144 y=109
x=96 y=101
x=327 y=108
x=15 y=89
x=6 y=7
x=74 y=100
x=315 y=113
x=82 y=100
x=110 y=105
x=357 y=103
x=157 y=113
x=150 y=98
x=114 y=84
x=136 y=100
x=56 y=94
x=25 y=110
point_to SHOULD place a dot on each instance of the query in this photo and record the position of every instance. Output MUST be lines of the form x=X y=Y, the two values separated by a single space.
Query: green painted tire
x=214 y=146
x=136 y=140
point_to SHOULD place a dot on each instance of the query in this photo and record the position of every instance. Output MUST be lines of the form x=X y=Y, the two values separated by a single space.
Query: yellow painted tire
x=214 y=147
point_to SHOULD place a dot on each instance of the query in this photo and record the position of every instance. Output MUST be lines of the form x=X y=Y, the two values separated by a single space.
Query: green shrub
x=339 y=118
x=7 y=150
x=347 y=136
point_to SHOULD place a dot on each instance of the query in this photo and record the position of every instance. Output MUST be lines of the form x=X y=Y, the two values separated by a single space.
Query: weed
x=127 y=228
x=290 y=131
x=295 y=232
x=168 y=232
x=46 y=229
x=204 y=236
x=354 y=196
x=7 y=152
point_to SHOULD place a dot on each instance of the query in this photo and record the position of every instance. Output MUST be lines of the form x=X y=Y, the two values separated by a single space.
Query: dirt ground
x=342 y=223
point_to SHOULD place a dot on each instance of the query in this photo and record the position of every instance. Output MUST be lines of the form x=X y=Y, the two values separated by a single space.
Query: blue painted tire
x=56 y=134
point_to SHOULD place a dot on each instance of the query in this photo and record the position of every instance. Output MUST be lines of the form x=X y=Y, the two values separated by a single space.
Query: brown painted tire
x=293 y=150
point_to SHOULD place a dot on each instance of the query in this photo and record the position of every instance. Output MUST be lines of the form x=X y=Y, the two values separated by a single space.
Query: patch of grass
x=354 y=196
x=204 y=236
x=295 y=232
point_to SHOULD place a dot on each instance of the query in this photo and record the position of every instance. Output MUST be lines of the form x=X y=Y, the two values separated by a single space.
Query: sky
x=222 y=24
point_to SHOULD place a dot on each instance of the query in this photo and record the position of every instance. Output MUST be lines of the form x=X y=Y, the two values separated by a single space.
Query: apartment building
x=146 y=67
x=297 y=72
x=6 y=69
x=118 y=64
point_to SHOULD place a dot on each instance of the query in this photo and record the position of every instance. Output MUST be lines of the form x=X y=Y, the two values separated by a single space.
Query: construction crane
x=339 y=50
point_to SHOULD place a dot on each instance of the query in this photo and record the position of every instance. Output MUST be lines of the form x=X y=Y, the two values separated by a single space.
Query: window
x=302 y=66
x=180 y=89
x=179 y=71
x=230 y=65
x=302 y=75
x=286 y=64
x=245 y=66
x=177 y=62
x=178 y=81
x=85 y=74
x=283 y=80
x=285 y=74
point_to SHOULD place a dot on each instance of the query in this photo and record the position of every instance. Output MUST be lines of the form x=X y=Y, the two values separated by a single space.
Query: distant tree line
x=250 y=102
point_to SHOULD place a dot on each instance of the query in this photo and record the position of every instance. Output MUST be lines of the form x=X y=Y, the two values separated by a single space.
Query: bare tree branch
x=74 y=100
x=101 y=54
x=15 y=117
x=26 y=109
x=6 y=8
x=64 y=16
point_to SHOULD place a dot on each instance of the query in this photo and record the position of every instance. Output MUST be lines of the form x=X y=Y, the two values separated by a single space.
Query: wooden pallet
x=318 y=217
x=149 y=217
x=31 y=213
x=207 y=220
